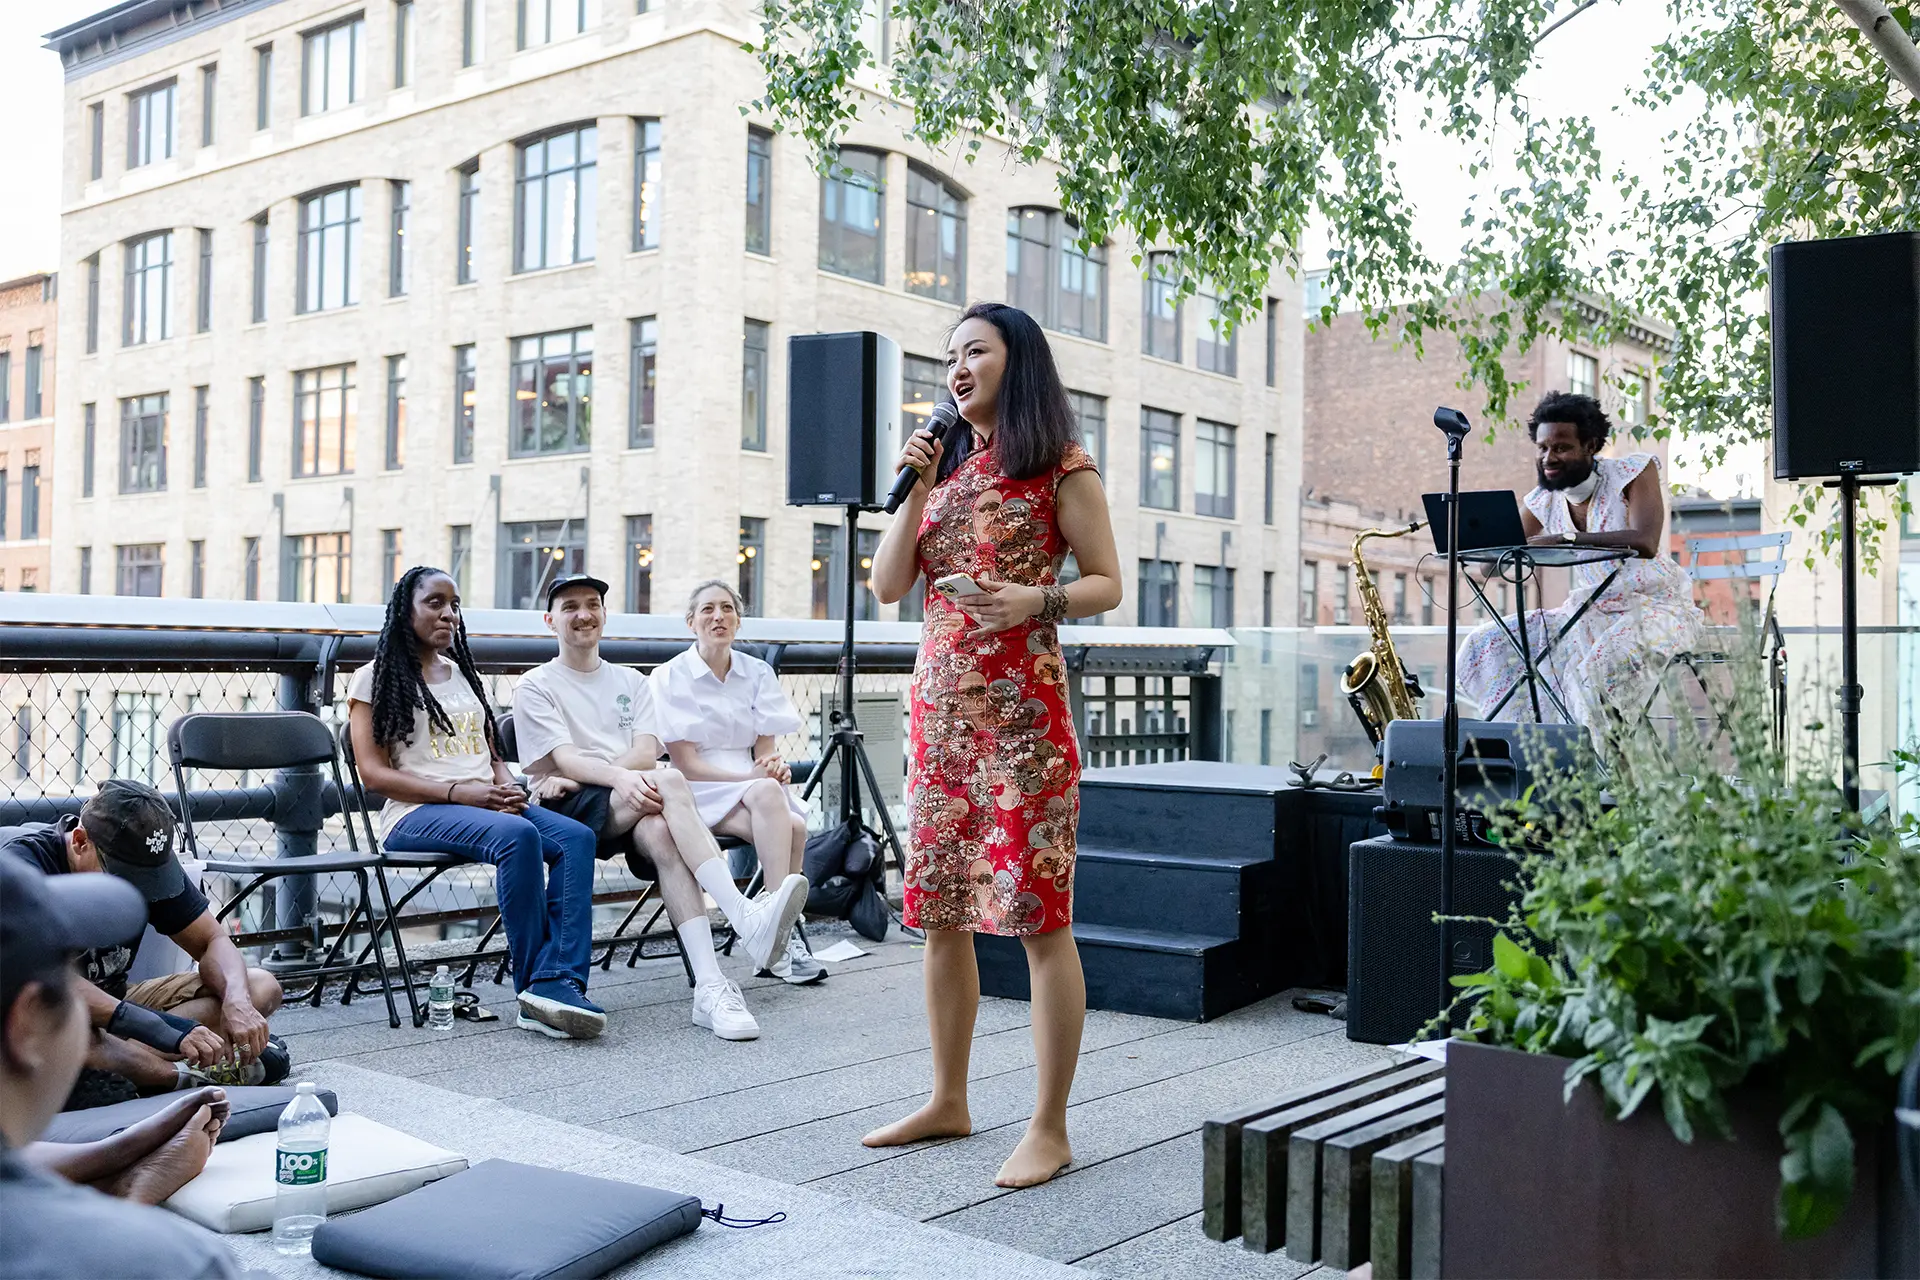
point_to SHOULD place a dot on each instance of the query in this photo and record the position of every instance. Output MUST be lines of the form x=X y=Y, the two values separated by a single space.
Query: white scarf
x=1578 y=494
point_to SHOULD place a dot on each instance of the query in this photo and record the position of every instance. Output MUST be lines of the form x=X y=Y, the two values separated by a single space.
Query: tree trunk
x=1889 y=37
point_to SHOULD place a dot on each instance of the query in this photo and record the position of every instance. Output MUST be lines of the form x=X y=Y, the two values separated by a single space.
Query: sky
x=1591 y=65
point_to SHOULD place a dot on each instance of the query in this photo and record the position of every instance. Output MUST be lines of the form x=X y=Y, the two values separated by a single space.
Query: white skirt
x=716 y=800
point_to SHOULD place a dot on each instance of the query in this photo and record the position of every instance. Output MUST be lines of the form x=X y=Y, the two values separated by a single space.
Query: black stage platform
x=1201 y=887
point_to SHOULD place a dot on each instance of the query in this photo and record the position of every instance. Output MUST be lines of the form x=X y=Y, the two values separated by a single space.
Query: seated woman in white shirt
x=721 y=713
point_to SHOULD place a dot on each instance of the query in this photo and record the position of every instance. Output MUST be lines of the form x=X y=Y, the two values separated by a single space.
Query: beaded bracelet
x=1054 y=606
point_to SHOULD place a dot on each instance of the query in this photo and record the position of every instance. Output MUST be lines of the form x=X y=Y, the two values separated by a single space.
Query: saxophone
x=1377 y=686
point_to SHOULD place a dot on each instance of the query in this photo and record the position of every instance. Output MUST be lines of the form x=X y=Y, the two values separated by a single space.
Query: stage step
x=1189 y=976
x=1230 y=895
x=1186 y=806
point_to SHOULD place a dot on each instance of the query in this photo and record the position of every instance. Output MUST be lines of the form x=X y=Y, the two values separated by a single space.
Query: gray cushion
x=252 y=1108
x=505 y=1221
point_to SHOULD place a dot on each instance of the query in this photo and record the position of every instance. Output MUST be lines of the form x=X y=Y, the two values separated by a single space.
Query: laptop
x=1488 y=518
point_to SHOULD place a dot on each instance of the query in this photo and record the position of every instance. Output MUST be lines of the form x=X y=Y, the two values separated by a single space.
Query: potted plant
x=1685 y=1057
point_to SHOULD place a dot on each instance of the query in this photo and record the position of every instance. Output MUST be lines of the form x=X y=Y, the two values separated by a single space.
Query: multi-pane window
x=256 y=426
x=922 y=382
x=209 y=83
x=330 y=249
x=554 y=198
x=1310 y=594
x=392 y=563
x=759 y=191
x=852 y=214
x=470 y=39
x=646 y=184
x=88 y=430
x=544 y=21
x=1266 y=466
x=96 y=140
x=936 y=236
x=829 y=566
x=143 y=444
x=147 y=314
x=1051 y=278
x=137 y=570
x=533 y=554
x=1400 y=597
x=1273 y=341
x=200 y=413
x=752 y=559
x=1159 y=593
x=753 y=385
x=259 y=310
x=35 y=389
x=332 y=66
x=317 y=568
x=1213 y=468
x=1583 y=374
x=1342 y=592
x=203 y=284
x=325 y=410
x=643 y=341
x=1160 y=307
x=1633 y=400
x=263 y=86
x=1212 y=595
x=150 y=124
x=469 y=212
x=465 y=373
x=401 y=200
x=402 y=43
x=250 y=568
x=460 y=557
x=1218 y=345
x=1090 y=412
x=639 y=564
x=396 y=412
x=197 y=569
x=1159 y=459
x=93 y=304
x=552 y=407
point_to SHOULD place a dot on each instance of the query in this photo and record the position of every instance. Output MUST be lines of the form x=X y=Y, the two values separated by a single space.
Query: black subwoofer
x=1393 y=945
x=1846 y=356
x=843 y=418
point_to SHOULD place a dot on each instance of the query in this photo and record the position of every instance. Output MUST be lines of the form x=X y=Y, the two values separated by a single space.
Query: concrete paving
x=835 y=1060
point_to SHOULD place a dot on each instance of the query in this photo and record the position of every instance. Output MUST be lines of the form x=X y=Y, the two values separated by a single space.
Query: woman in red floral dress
x=993 y=786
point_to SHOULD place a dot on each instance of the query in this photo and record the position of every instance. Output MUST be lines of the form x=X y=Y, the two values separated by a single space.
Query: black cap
x=566 y=581
x=45 y=919
x=131 y=827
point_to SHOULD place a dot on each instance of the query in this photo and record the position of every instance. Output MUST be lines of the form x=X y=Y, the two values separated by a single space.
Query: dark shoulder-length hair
x=1036 y=418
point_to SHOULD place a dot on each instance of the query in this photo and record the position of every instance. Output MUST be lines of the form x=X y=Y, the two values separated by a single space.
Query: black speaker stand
x=1851 y=694
x=1454 y=424
x=845 y=743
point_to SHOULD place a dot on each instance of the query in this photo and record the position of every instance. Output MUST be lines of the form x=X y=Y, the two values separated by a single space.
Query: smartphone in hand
x=956 y=585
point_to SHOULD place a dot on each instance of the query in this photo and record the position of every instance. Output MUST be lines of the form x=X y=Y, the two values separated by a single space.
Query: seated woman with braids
x=424 y=738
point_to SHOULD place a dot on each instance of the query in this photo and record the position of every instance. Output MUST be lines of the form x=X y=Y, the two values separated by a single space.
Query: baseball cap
x=131 y=826
x=562 y=583
x=43 y=919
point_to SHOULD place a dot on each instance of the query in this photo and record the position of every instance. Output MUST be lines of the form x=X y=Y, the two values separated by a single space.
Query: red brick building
x=27 y=335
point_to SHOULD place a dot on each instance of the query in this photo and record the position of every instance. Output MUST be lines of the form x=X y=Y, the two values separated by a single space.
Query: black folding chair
x=245 y=740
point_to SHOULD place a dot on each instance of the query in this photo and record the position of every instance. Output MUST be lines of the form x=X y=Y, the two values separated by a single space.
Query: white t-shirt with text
x=601 y=712
x=460 y=756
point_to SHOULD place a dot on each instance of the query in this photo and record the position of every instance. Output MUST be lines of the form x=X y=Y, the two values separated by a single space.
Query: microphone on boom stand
x=945 y=414
x=1454 y=424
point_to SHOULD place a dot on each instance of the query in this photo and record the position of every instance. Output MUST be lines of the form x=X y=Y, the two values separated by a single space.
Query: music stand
x=1454 y=425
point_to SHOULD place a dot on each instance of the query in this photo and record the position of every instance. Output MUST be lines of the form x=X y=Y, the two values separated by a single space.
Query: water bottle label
x=302 y=1168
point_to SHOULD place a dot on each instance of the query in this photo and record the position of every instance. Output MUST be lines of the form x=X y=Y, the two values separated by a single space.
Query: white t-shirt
x=696 y=706
x=601 y=712
x=460 y=756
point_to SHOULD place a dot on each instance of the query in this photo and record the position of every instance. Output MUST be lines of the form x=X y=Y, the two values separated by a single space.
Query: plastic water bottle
x=300 y=1205
x=440 y=1000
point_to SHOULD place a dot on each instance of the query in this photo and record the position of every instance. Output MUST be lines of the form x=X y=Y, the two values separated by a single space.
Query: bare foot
x=177 y=1162
x=930 y=1121
x=1036 y=1160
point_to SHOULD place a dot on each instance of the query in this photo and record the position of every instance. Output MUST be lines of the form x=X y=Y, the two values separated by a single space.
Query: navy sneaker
x=585 y=999
x=553 y=1007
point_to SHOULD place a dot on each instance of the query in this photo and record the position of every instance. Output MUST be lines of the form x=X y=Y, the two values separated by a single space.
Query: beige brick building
x=504 y=283
x=28 y=339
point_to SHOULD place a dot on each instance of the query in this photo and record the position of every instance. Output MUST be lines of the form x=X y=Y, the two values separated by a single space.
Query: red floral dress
x=993 y=780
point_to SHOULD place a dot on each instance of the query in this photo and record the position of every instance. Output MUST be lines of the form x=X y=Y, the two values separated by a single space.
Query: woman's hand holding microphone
x=923 y=453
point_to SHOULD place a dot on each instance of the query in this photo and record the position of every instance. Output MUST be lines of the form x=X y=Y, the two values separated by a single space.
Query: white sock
x=696 y=935
x=717 y=880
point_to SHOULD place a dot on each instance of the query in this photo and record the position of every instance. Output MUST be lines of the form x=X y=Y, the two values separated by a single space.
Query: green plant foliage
x=1705 y=932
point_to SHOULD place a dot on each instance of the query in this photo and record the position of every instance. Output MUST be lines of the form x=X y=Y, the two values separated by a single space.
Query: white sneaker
x=719 y=1007
x=797 y=966
x=769 y=921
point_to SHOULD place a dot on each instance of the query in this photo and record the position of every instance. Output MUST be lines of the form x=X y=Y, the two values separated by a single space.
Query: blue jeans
x=550 y=941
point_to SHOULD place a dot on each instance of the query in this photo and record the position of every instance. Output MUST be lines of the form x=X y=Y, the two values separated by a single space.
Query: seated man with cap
x=53 y=1227
x=587 y=735
x=208 y=1024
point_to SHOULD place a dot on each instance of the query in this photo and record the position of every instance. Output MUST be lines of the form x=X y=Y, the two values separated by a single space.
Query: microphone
x=945 y=414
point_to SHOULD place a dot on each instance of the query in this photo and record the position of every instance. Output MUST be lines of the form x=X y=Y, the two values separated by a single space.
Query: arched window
x=555 y=197
x=1050 y=278
x=936 y=236
x=329 y=249
x=853 y=198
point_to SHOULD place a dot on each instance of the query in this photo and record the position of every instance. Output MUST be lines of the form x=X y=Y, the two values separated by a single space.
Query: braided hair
x=399 y=688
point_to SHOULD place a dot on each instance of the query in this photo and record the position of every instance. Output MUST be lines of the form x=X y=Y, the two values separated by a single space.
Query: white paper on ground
x=1435 y=1049
x=841 y=950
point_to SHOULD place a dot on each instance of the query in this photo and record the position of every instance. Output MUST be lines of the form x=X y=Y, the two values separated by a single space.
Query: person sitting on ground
x=54 y=1228
x=721 y=714
x=423 y=737
x=587 y=736
x=181 y=1030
